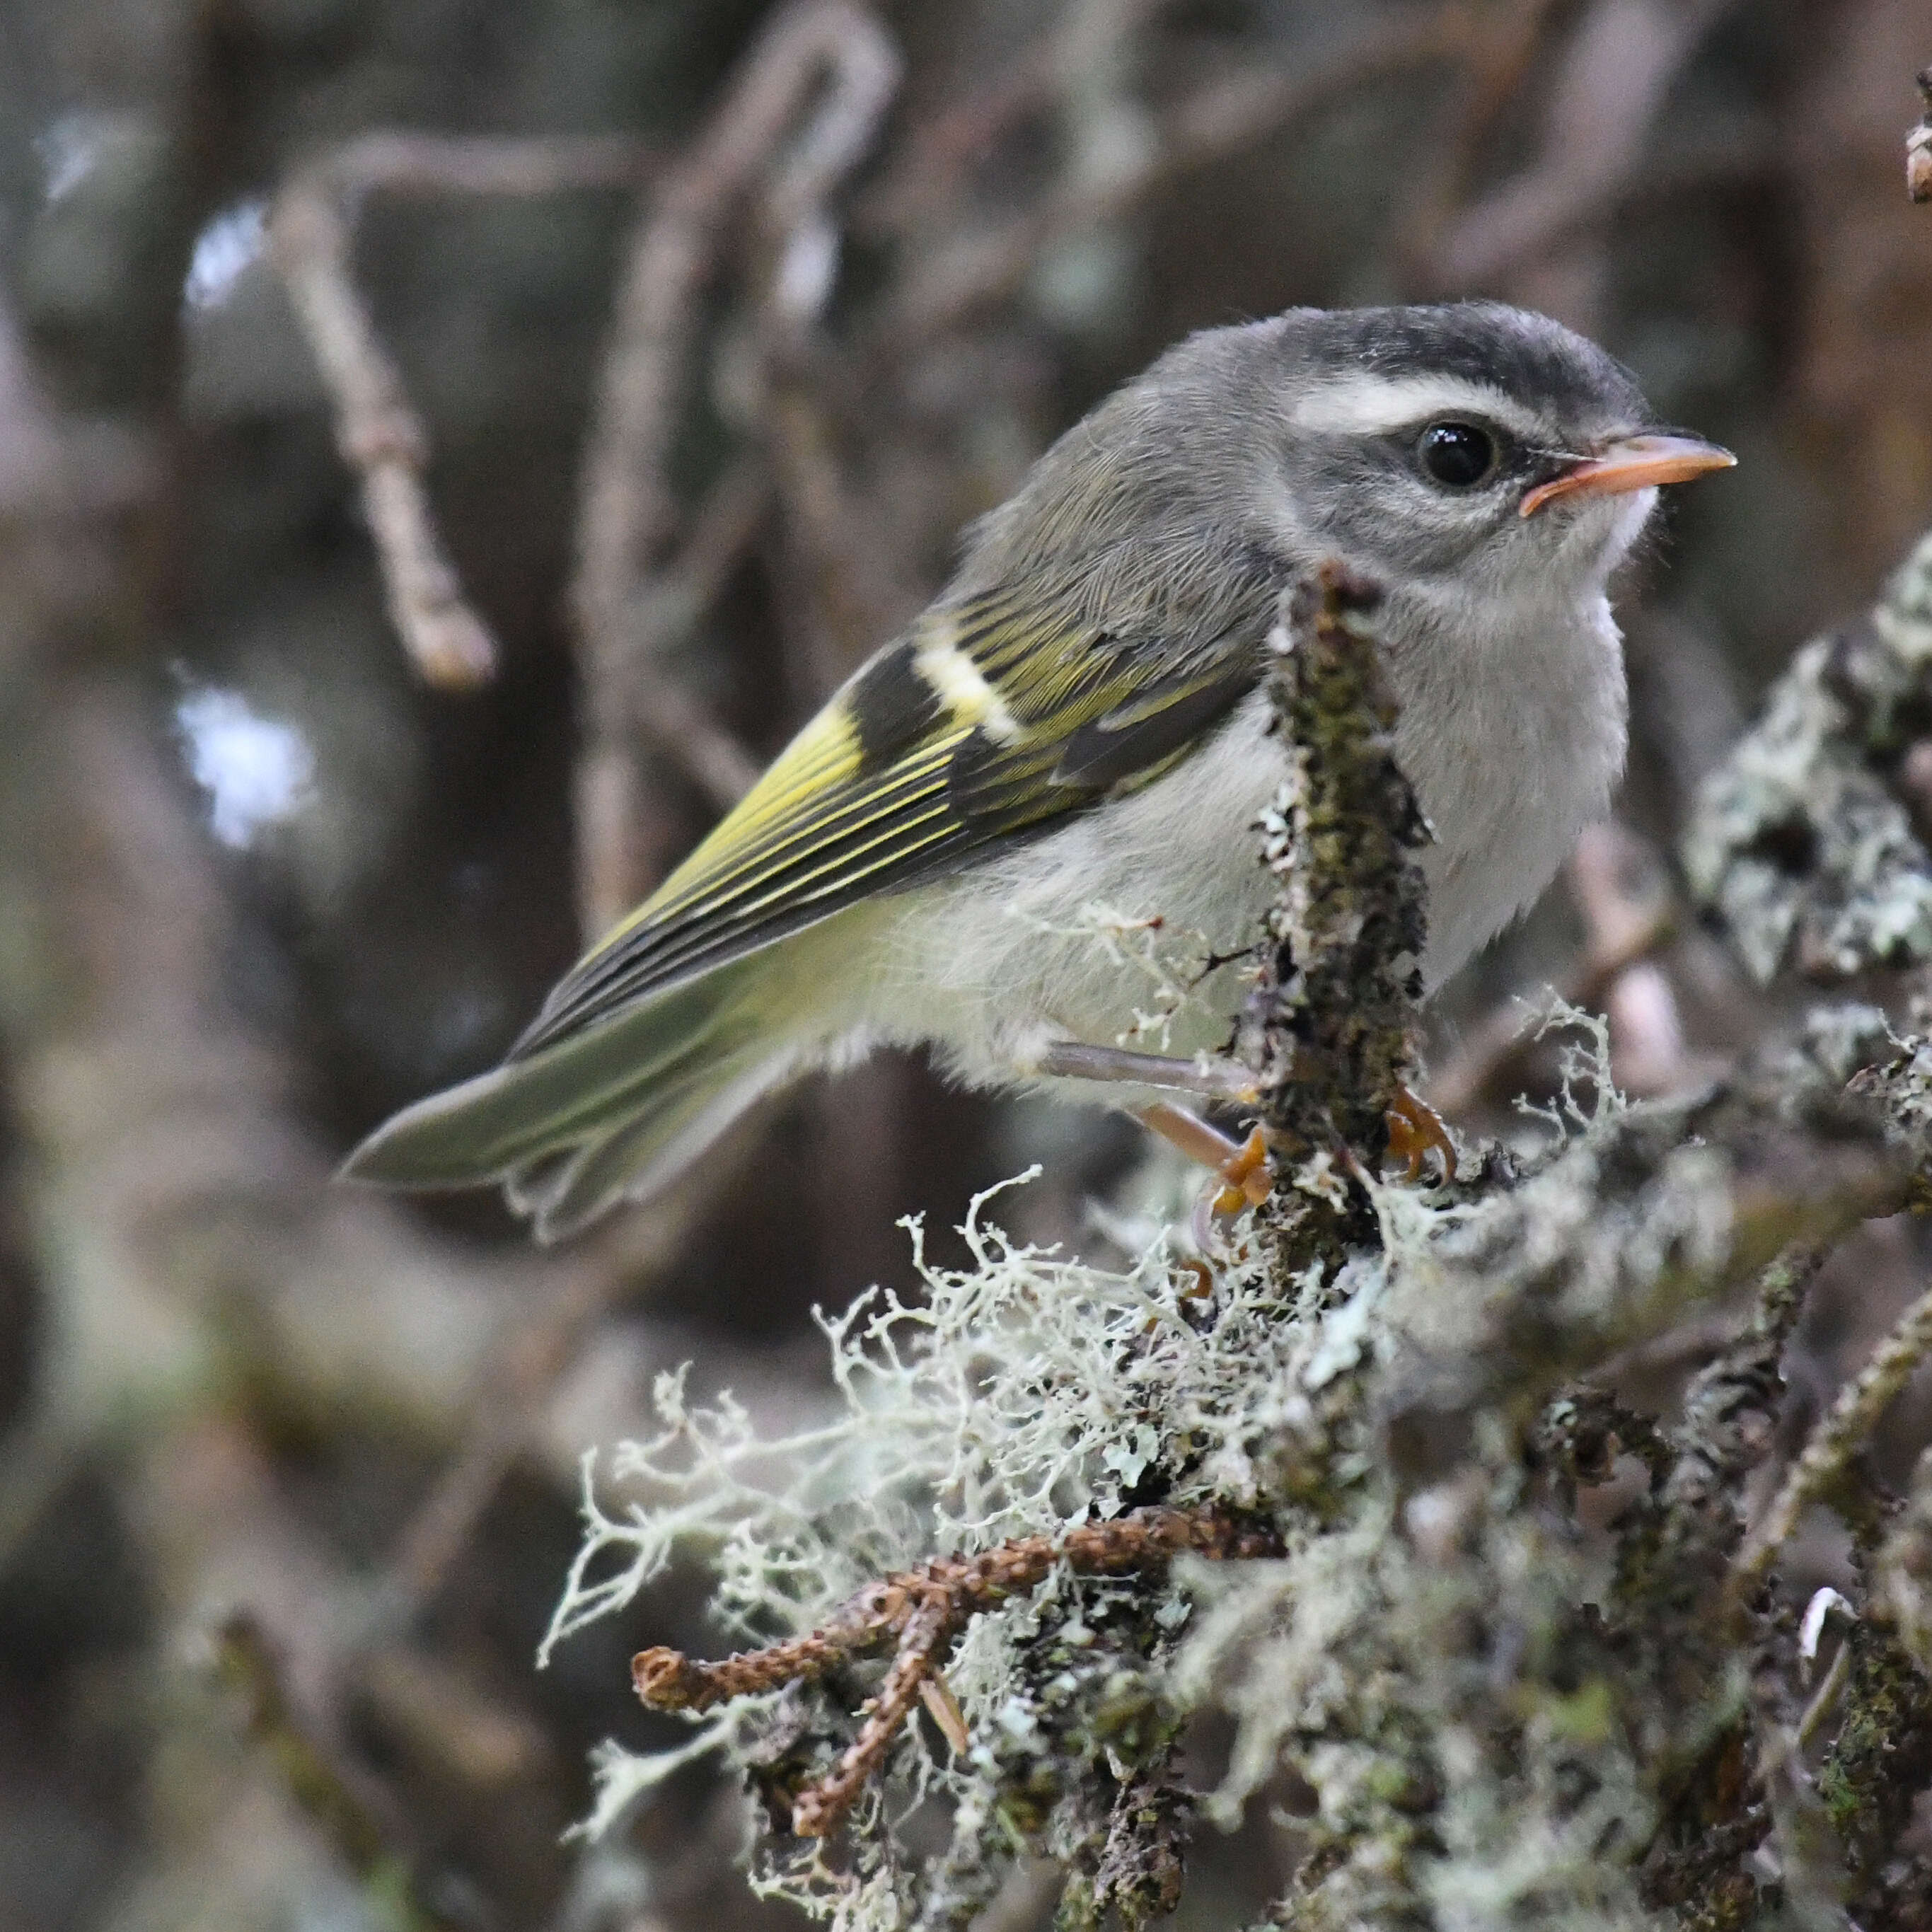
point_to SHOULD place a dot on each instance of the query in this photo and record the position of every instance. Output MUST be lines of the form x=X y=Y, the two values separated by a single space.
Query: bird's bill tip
x=1632 y=463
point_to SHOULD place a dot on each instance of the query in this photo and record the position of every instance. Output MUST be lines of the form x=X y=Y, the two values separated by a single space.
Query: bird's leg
x=1241 y=1165
x=1415 y=1131
x=1075 y=1059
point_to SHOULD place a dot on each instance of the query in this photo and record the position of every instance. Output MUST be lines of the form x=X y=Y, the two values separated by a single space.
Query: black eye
x=1457 y=454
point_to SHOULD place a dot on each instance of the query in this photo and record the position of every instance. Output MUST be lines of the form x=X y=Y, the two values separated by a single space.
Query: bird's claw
x=1245 y=1181
x=1415 y=1132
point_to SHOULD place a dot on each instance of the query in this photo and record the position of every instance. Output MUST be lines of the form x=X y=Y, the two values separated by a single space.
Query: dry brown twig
x=1220 y=120
x=920 y=1612
x=379 y=434
x=939 y=151
x=530 y=1360
x=1611 y=82
x=331 y=1788
x=1504 y=43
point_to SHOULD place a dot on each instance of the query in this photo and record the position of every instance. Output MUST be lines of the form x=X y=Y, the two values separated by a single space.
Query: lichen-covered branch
x=1839 y=1436
x=1328 y=1027
x=921 y=1613
x=1801 y=842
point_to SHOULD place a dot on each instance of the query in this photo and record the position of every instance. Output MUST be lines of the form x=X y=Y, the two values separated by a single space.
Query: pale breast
x=990 y=965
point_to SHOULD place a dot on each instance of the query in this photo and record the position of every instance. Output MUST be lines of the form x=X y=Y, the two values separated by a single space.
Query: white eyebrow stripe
x=1363 y=403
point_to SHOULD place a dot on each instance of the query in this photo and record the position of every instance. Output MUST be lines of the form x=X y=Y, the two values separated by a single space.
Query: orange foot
x=1242 y=1167
x=1245 y=1180
x=1415 y=1132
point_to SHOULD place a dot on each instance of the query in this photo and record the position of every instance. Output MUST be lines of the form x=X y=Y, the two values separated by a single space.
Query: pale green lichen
x=1026 y=1393
x=1029 y=1391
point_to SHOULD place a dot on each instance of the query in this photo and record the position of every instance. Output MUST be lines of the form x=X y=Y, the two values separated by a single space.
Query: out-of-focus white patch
x=230 y=244
x=257 y=771
x=807 y=270
x=68 y=149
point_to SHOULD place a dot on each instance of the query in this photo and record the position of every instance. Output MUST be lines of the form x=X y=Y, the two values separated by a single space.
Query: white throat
x=1513 y=730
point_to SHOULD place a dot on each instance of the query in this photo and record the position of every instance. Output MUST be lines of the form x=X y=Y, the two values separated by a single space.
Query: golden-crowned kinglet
x=1078 y=721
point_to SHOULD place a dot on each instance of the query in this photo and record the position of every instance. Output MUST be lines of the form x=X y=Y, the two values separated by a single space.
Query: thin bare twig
x=399 y=161
x=1827 y=1694
x=854 y=595
x=1504 y=42
x=379 y=434
x=1839 y=1436
x=530 y=1359
x=920 y=1612
x=1611 y=83
x=671 y=606
x=380 y=437
x=320 y=1776
x=627 y=512
x=940 y=150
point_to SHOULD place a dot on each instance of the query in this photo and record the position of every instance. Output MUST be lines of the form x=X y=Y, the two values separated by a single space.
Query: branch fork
x=920 y=1612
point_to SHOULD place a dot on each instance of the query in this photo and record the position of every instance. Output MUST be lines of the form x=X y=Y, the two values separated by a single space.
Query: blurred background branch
x=310 y=236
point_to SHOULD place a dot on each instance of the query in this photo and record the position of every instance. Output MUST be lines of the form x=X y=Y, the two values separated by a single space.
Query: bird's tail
x=614 y=1111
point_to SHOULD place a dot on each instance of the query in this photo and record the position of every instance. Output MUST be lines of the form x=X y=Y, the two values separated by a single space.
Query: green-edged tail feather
x=617 y=1108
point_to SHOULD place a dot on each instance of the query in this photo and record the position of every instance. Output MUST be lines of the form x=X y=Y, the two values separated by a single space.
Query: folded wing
x=984 y=724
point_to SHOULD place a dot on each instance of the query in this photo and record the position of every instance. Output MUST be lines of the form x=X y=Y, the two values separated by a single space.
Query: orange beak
x=1632 y=463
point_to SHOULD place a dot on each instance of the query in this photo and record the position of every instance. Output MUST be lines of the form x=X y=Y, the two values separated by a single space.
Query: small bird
x=1079 y=720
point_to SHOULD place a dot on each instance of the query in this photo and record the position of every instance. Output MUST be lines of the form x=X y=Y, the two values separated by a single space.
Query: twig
x=853 y=595
x=1729 y=1411
x=919 y=1611
x=1838 y=1436
x=380 y=437
x=400 y=162
x=1504 y=41
x=1218 y=121
x=525 y=1368
x=379 y=434
x=626 y=510
x=940 y=149
x=1918 y=145
x=670 y=606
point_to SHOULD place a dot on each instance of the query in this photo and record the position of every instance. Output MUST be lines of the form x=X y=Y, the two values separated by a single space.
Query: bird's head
x=1470 y=451
x=1486 y=467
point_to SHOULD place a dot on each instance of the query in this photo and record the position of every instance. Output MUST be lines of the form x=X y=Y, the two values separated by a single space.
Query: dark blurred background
x=697 y=329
